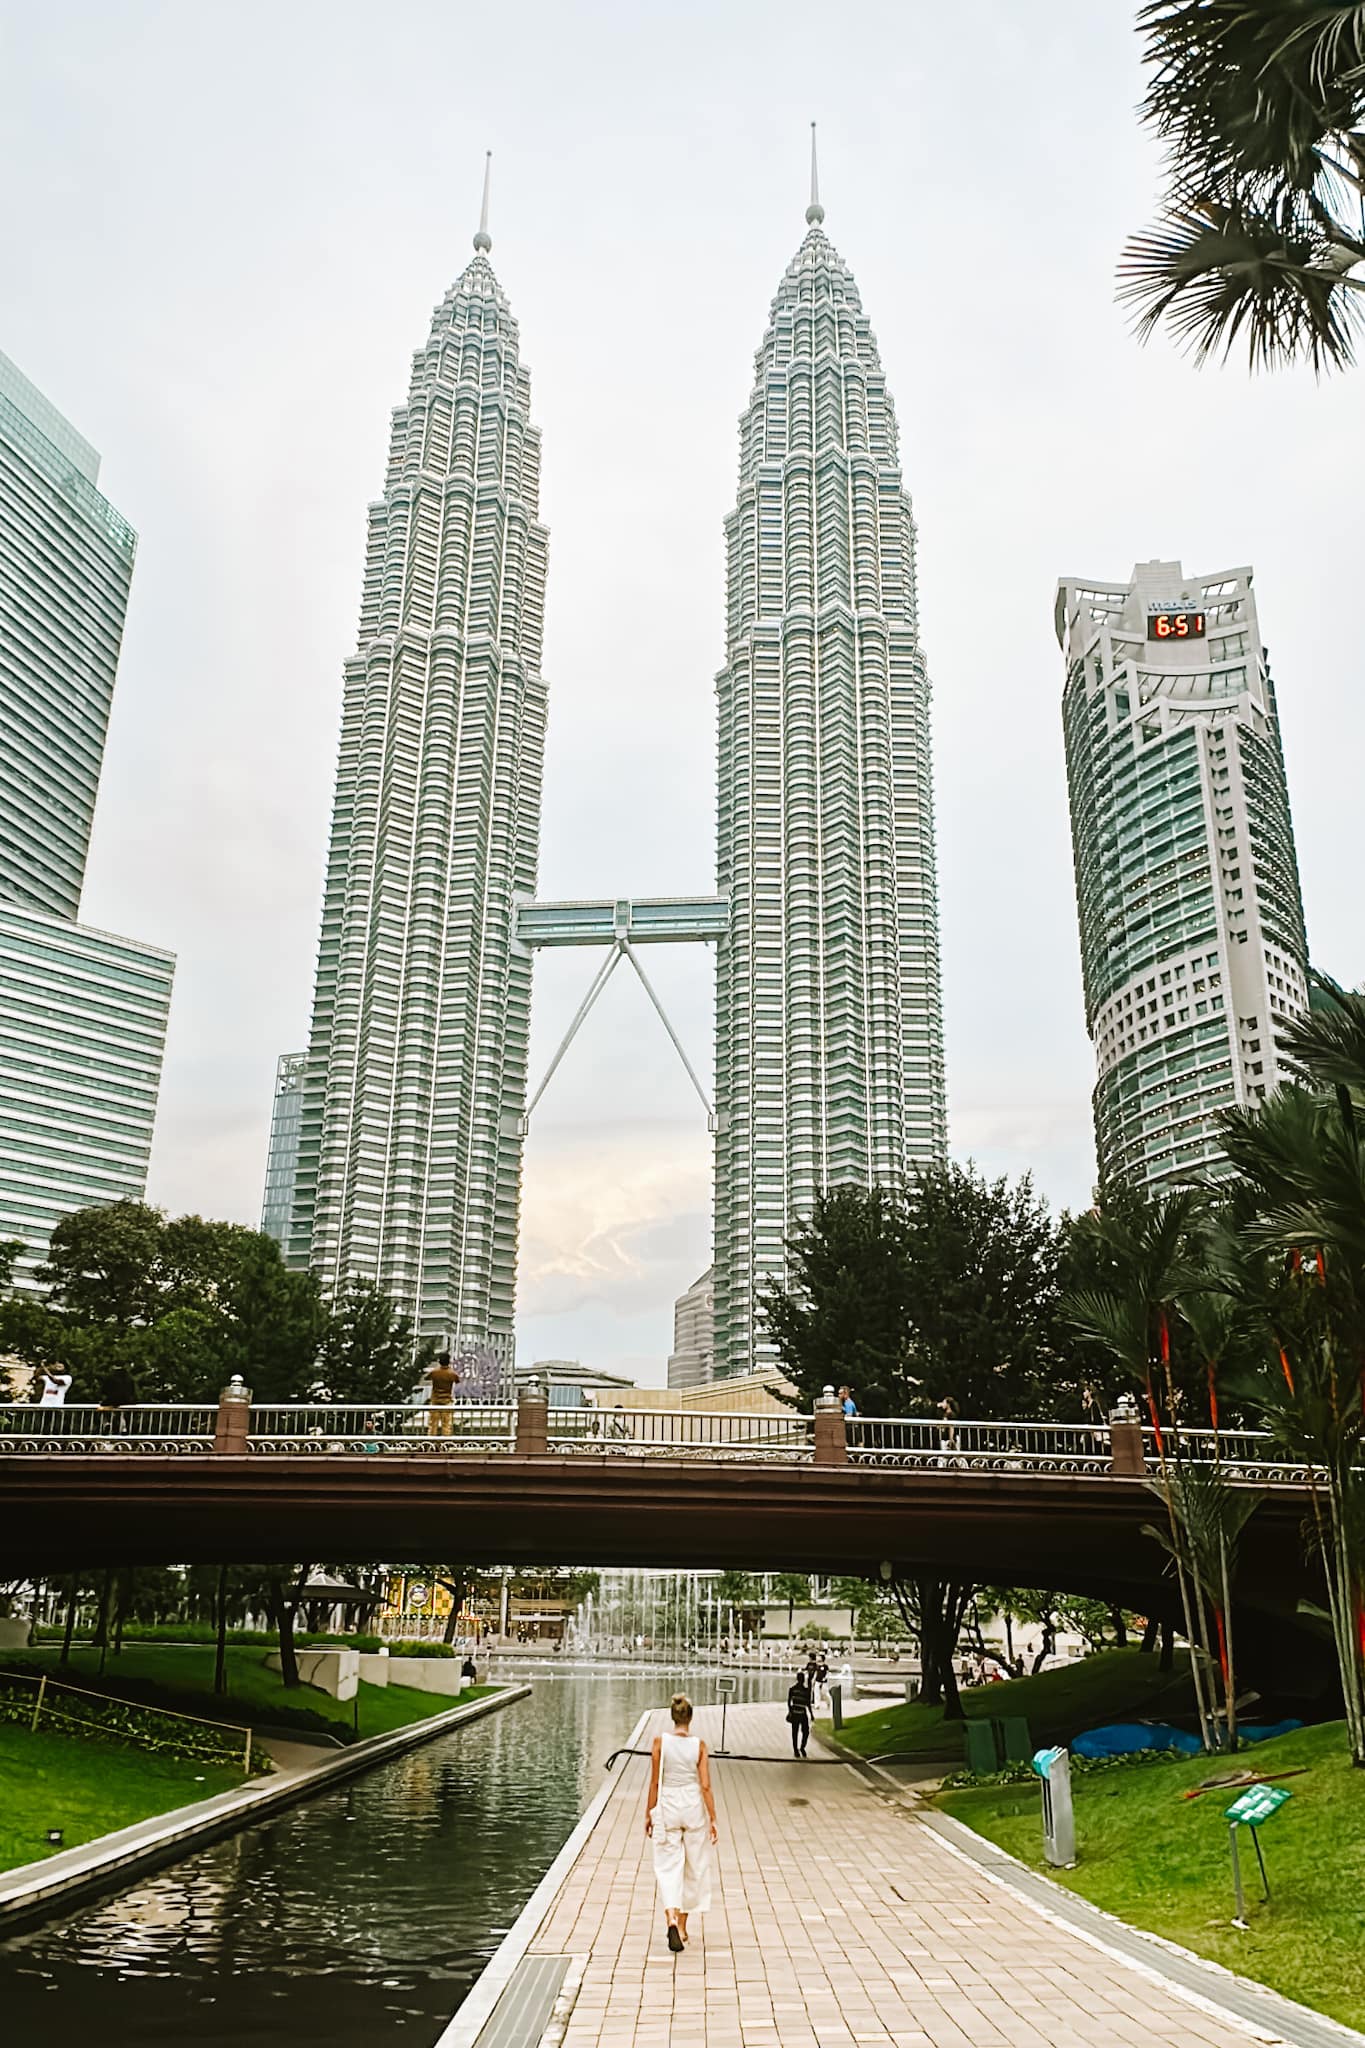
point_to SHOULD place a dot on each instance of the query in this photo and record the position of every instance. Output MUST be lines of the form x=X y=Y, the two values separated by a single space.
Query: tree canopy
x=142 y=1307
x=947 y=1292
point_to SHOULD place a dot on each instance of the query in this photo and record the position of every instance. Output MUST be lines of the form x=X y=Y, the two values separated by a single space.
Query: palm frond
x=1252 y=87
x=1115 y=1321
x=1328 y=1041
x=1218 y=269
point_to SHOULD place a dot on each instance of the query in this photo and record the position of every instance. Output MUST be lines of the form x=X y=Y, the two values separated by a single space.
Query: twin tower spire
x=483 y=240
x=829 y=1040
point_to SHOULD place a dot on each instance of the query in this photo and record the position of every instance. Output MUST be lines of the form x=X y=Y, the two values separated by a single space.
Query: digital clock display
x=1175 y=625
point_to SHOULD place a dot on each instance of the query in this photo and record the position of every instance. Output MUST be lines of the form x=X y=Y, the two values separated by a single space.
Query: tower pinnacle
x=483 y=241
x=815 y=212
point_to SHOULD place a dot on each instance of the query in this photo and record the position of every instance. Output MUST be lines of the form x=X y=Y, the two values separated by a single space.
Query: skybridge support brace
x=621 y=924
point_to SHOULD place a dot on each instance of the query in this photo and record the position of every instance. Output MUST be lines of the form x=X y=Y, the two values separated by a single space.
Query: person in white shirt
x=680 y=1819
x=53 y=1383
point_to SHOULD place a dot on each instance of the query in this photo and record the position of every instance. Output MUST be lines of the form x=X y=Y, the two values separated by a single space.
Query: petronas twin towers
x=829 y=1040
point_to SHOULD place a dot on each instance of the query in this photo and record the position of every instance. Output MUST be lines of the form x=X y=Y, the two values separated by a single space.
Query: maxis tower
x=829 y=1064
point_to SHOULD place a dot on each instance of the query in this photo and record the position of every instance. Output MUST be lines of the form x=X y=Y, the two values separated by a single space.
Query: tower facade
x=409 y=1162
x=66 y=565
x=83 y=1012
x=829 y=1032
x=1187 y=885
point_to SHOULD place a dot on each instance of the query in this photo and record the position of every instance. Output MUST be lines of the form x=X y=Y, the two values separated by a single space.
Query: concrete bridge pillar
x=533 y=1421
x=234 y=1417
x=1127 y=1454
x=831 y=1434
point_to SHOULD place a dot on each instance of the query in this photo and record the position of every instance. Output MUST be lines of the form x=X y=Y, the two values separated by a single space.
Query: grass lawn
x=1114 y=1685
x=87 y=1788
x=166 y=1675
x=1161 y=1862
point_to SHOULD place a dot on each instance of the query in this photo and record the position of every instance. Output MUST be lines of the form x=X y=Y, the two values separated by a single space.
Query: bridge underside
x=1073 y=1534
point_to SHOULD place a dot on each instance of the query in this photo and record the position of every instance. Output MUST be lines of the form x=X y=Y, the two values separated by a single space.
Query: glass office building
x=82 y=1030
x=66 y=563
x=82 y=1012
x=283 y=1158
x=1187 y=885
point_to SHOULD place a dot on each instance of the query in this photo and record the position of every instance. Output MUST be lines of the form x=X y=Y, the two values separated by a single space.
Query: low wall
x=423 y=1674
x=335 y=1671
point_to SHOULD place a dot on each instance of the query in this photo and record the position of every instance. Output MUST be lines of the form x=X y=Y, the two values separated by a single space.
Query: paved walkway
x=838 y=1919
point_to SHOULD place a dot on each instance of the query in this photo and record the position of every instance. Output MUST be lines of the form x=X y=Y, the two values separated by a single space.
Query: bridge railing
x=1243 y=1454
x=80 y=1427
x=680 y=1433
x=294 y=1429
x=943 y=1445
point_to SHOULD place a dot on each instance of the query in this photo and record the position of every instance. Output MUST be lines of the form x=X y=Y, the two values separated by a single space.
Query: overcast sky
x=226 y=226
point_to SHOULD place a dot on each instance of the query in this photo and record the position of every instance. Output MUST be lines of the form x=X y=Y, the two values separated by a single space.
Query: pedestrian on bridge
x=680 y=1819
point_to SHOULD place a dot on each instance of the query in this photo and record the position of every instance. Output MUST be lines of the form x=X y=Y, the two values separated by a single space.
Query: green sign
x=1258 y=1804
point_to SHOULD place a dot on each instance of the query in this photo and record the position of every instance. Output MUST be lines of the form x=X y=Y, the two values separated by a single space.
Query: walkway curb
x=1258 y=2010
x=38 y=1891
x=477 y=2008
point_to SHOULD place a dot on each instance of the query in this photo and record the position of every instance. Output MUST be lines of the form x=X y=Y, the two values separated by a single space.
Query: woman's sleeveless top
x=678 y=1756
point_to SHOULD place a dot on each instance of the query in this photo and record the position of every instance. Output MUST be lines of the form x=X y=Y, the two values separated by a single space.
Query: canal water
x=361 y=1917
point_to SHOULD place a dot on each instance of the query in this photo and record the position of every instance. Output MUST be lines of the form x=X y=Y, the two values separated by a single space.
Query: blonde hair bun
x=680 y=1707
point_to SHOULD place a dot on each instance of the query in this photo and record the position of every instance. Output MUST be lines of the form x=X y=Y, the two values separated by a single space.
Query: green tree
x=1260 y=104
x=945 y=1298
x=791 y=1587
x=844 y=1314
x=369 y=1351
x=1158 y=1254
x=1300 y=1201
x=101 y=1270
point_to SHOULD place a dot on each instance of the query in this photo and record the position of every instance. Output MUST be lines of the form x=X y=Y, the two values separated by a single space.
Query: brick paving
x=838 y=1919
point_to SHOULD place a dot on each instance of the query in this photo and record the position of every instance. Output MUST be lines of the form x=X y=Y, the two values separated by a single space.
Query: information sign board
x=1258 y=1803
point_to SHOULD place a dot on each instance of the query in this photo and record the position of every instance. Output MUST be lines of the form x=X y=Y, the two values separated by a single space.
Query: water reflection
x=367 y=1913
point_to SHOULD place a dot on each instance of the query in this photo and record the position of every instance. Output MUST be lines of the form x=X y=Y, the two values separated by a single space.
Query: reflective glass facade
x=66 y=562
x=1193 y=949
x=82 y=1030
x=282 y=1161
x=82 y=1012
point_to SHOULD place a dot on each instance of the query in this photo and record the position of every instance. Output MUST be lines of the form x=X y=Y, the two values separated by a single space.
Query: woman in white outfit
x=680 y=1818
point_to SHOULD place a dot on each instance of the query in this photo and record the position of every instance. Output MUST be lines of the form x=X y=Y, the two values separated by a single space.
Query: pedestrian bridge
x=1063 y=1505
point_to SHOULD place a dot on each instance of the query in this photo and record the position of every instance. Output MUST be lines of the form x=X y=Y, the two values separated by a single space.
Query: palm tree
x=1301 y=1160
x=1262 y=234
x=1155 y=1255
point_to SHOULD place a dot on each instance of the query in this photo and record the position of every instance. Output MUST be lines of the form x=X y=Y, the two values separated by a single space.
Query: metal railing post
x=831 y=1432
x=533 y=1421
x=233 y=1426
x=38 y=1705
x=1127 y=1455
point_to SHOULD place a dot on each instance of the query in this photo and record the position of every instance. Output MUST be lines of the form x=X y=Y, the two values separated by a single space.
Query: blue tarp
x=1123 y=1738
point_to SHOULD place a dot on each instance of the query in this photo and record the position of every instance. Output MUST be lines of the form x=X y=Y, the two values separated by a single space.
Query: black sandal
x=675 y=1940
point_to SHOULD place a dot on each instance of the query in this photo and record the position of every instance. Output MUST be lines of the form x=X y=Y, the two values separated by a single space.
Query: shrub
x=114 y=1720
x=409 y=1648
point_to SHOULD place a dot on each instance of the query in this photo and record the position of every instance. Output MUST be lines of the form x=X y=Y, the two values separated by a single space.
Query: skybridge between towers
x=621 y=923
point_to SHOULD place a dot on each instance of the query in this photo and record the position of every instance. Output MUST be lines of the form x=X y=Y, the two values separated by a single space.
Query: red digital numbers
x=1175 y=625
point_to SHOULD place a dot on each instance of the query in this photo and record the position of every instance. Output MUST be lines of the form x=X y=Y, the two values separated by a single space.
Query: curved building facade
x=1193 y=949
x=829 y=1033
